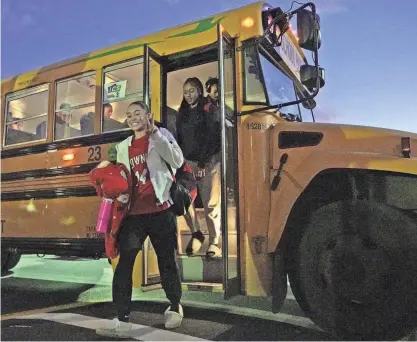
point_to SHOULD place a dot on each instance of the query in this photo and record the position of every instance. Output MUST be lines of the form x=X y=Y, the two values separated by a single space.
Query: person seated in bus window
x=15 y=133
x=13 y=128
x=109 y=124
x=198 y=133
x=87 y=123
x=146 y=154
x=63 y=130
x=18 y=125
x=41 y=131
x=14 y=123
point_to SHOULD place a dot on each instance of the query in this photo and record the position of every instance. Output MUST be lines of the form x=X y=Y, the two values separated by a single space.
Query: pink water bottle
x=104 y=215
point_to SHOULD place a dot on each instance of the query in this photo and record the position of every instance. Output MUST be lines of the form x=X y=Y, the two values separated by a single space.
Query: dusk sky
x=369 y=46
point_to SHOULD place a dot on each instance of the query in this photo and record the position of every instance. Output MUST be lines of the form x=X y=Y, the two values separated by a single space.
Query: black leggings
x=161 y=227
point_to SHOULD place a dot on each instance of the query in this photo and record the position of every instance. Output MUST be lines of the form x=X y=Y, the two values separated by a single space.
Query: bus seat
x=14 y=136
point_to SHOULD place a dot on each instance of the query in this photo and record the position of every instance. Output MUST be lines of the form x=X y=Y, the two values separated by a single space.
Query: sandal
x=213 y=251
x=194 y=246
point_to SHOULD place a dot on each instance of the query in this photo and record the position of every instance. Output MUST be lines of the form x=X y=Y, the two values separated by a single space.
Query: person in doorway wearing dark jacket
x=212 y=85
x=198 y=133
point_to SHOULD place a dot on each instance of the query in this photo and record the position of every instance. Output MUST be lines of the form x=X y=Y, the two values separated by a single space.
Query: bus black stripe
x=62 y=145
x=60 y=246
x=41 y=173
x=83 y=191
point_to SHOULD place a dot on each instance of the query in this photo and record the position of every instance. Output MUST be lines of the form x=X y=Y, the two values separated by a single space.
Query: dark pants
x=161 y=227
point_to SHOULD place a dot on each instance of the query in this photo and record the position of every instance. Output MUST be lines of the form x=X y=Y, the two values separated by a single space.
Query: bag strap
x=170 y=170
x=169 y=167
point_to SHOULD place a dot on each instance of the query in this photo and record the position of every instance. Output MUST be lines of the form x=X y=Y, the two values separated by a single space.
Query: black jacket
x=198 y=133
x=109 y=124
x=62 y=130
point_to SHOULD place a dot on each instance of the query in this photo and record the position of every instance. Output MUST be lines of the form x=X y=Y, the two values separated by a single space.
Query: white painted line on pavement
x=138 y=332
x=280 y=317
x=43 y=310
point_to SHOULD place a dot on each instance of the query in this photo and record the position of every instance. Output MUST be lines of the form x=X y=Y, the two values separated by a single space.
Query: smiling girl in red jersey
x=146 y=155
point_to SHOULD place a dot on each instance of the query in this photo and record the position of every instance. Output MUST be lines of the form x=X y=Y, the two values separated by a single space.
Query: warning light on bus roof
x=248 y=22
x=68 y=156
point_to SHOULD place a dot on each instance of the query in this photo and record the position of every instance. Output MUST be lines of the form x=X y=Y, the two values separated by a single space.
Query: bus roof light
x=248 y=22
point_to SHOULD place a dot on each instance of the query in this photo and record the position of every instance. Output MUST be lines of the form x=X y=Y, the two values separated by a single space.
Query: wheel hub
x=352 y=269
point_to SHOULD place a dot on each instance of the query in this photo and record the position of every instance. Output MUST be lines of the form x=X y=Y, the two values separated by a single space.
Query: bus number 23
x=94 y=153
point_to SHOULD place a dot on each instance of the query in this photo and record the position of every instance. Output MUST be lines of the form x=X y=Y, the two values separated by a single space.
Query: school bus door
x=152 y=85
x=229 y=181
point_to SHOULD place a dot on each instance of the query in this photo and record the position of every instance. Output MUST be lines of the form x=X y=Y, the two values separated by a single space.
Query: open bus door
x=152 y=84
x=229 y=181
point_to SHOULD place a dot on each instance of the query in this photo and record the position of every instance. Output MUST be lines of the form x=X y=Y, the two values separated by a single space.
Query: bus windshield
x=267 y=84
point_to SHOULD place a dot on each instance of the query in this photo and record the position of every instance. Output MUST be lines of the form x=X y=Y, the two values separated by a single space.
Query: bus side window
x=26 y=110
x=123 y=85
x=75 y=99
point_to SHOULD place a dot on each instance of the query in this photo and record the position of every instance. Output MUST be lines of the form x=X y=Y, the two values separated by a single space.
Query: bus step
x=198 y=269
x=202 y=286
x=185 y=237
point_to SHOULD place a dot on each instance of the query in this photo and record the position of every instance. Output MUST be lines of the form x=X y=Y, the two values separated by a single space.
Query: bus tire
x=10 y=258
x=355 y=272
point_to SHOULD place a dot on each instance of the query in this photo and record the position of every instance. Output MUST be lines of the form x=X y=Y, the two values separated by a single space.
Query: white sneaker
x=116 y=328
x=173 y=319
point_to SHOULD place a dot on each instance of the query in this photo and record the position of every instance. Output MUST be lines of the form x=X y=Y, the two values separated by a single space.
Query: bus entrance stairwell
x=202 y=270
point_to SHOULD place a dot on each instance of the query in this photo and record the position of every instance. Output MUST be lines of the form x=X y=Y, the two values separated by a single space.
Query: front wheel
x=10 y=257
x=355 y=273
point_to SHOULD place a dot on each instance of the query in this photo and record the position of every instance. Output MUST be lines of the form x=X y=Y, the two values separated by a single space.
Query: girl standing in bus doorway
x=198 y=133
x=146 y=155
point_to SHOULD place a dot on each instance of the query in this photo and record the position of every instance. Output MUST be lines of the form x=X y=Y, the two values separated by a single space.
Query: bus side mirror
x=308 y=76
x=307 y=23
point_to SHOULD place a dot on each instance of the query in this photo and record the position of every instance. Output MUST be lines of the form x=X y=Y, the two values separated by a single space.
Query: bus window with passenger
x=123 y=84
x=75 y=97
x=26 y=110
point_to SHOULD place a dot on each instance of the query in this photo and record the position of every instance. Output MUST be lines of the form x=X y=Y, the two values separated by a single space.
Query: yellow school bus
x=330 y=207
